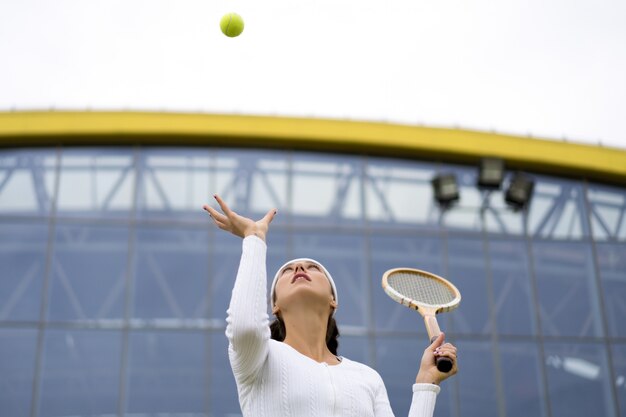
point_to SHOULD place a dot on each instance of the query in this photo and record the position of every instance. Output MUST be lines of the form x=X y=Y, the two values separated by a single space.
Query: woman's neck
x=306 y=333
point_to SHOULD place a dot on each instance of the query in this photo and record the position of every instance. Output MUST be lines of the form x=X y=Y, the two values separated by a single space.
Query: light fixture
x=446 y=189
x=490 y=173
x=520 y=191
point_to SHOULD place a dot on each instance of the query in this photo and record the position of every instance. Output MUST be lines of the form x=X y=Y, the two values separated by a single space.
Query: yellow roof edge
x=69 y=128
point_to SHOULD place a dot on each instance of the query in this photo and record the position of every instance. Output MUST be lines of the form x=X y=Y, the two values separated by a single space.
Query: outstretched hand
x=428 y=372
x=236 y=224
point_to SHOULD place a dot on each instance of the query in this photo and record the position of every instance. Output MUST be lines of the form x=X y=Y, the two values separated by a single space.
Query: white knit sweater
x=275 y=380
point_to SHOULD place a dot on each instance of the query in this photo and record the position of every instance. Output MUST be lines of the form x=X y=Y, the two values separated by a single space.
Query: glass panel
x=23 y=260
x=253 y=182
x=522 y=383
x=96 y=183
x=355 y=348
x=578 y=380
x=167 y=373
x=465 y=213
x=171 y=274
x=344 y=256
x=499 y=217
x=608 y=212
x=612 y=265
x=618 y=351
x=399 y=193
x=476 y=379
x=88 y=273
x=17 y=367
x=467 y=271
x=225 y=257
x=224 y=400
x=557 y=210
x=81 y=373
x=326 y=189
x=27 y=181
x=393 y=252
x=515 y=312
x=566 y=285
x=174 y=183
x=397 y=362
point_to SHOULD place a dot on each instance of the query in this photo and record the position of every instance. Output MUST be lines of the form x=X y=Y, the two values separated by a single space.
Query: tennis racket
x=427 y=293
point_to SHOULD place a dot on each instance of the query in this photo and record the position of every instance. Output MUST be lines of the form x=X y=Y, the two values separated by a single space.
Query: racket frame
x=428 y=311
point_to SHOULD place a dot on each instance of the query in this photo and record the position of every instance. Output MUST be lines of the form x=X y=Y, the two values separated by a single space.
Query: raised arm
x=247 y=322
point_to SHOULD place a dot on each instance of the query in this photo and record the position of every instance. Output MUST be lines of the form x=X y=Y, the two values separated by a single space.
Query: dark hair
x=277 y=328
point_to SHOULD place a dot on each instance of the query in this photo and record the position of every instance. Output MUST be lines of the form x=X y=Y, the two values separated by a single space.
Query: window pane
x=393 y=252
x=174 y=183
x=522 y=382
x=252 y=182
x=515 y=313
x=171 y=274
x=618 y=351
x=81 y=373
x=397 y=362
x=23 y=260
x=608 y=212
x=580 y=369
x=476 y=379
x=88 y=273
x=467 y=271
x=566 y=283
x=27 y=181
x=399 y=193
x=356 y=348
x=96 y=183
x=557 y=210
x=326 y=190
x=224 y=401
x=465 y=213
x=499 y=217
x=344 y=257
x=17 y=367
x=167 y=373
x=612 y=265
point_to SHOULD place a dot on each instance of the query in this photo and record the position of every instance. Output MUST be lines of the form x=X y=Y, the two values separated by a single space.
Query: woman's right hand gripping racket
x=427 y=293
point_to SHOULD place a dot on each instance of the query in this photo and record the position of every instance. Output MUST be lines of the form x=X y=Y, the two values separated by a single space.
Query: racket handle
x=443 y=364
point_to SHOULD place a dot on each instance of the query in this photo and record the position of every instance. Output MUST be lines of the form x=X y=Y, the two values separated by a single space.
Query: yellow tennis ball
x=231 y=24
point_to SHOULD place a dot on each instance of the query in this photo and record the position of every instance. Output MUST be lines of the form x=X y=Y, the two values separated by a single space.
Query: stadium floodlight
x=520 y=191
x=446 y=189
x=490 y=173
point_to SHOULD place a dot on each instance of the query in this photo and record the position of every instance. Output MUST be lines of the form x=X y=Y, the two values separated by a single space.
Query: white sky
x=550 y=68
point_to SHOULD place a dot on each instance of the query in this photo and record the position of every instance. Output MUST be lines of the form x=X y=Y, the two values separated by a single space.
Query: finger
x=437 y=342
x=447 y=346
x=215 y=214
x=451 y=355
x=218 y=223
x=223 y=205
x=269 y=216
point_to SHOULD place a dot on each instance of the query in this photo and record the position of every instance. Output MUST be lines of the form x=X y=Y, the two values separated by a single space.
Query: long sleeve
x=424 y=398
x=247 y=326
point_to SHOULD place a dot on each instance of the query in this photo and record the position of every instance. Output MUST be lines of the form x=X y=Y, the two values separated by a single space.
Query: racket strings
x=421 y=288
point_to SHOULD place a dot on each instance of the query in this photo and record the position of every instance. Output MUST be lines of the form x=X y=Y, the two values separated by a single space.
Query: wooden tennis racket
x=427 y=293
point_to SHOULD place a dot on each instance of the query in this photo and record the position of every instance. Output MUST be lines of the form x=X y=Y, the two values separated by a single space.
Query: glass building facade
x=114 y=284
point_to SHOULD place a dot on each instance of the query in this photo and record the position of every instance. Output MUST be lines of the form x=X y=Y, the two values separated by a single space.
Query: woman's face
x=302 y=281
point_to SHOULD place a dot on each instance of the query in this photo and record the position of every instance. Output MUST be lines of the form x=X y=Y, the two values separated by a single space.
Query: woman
x=294 y=370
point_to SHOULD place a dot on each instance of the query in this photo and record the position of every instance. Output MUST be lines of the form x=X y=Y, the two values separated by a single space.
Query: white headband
x=330 y=278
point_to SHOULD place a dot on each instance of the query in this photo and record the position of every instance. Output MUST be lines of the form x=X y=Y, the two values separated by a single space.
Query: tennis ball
x=231 y=24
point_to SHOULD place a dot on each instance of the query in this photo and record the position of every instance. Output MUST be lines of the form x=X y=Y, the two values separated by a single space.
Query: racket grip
x=443 y=364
